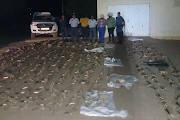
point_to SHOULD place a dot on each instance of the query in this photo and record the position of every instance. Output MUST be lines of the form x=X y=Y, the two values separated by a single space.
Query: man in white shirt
x=74 y=27
x=92 y=28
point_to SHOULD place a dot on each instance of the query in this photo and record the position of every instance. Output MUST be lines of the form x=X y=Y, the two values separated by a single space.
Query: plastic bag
x=100 y=49
x=101 y=104
x=117 y=81
x=110 y=62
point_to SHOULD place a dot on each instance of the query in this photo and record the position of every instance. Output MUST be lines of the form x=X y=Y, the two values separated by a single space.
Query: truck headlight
x=33 y=24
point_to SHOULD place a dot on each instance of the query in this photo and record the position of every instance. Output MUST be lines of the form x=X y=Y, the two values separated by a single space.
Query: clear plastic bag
x=110 y=62
x=100 y=49
x=117 y=81
x=101 y=104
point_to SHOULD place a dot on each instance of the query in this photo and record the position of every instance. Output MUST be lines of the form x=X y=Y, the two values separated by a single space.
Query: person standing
x=84 y=24
x=101 y=22
x=92 y=28
x=120 y=23
x=63 y=27
x=74 y=27
x=111 y=24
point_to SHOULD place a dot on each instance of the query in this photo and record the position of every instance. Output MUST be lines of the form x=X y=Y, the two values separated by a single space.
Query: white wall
x=164 y=15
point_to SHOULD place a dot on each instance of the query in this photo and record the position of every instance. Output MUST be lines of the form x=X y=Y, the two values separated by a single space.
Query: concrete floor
x=140 y=101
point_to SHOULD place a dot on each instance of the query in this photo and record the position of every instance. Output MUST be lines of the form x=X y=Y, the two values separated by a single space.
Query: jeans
x=111 y=34
x=120 y=37
x=74 y=33
x=101 y=33
x=64 y=32
x=85 y=33
x=92 y=33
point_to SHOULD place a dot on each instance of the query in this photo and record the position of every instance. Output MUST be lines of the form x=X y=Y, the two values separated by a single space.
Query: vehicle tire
x=55 y=34
x=33 y=35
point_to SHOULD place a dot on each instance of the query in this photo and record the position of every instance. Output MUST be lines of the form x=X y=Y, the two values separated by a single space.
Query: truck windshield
x=45 y=18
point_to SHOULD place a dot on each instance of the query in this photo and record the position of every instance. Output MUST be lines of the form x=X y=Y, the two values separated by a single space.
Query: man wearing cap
x=84 y=24
x=74 y=27
x=111 y=23
x=92 y=28
x=120 y=23
x=63 y=26
x=101 y=28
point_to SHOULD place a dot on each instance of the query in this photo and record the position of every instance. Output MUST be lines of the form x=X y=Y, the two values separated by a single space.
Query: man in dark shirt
x=120 y=23
x=63 y=27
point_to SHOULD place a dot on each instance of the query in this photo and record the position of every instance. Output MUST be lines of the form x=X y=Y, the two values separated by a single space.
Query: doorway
x=136 y=18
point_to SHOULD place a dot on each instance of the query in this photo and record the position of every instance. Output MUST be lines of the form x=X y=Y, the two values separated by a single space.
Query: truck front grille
x=44 y=26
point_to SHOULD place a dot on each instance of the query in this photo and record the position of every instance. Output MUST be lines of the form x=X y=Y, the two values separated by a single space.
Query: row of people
x=74 y=22
x=93 y=25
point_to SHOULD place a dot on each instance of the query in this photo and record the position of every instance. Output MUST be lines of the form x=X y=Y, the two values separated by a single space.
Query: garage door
x=136 y=18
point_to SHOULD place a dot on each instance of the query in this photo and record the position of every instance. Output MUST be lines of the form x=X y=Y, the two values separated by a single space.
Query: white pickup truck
x=43 y=23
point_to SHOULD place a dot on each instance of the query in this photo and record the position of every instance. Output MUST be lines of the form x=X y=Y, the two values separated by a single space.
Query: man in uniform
x=74 y=27
x=120 y=23
x=63 y=27
x=92 y=28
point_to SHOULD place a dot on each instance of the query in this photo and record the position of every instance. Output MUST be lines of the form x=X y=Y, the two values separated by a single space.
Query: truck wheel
x=55 y=34
x=33 y=35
